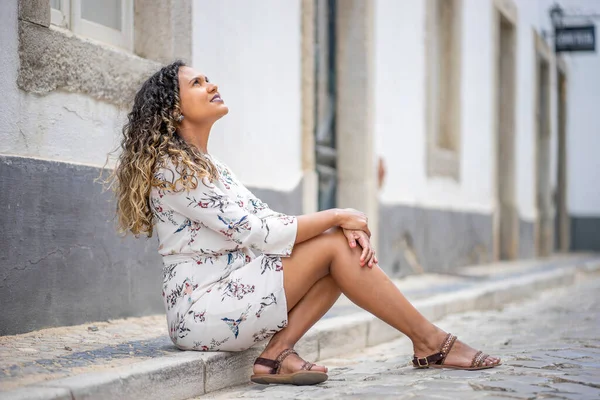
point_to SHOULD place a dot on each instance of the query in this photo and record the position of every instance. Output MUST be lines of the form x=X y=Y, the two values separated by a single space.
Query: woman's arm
x=311 y=225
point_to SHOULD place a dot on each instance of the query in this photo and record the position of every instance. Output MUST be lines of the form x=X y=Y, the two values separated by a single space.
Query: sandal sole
x=300 y=378
x=461 y=368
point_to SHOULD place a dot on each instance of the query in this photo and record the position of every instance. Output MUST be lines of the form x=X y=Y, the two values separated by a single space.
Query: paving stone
x=537 y=361
x=576 y=389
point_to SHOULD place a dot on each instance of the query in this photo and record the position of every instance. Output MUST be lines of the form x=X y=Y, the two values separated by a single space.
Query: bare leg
x=371 y=289
x=302 y=315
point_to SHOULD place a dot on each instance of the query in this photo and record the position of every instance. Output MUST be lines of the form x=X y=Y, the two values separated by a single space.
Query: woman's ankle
x=276 y=346
x=428 y=340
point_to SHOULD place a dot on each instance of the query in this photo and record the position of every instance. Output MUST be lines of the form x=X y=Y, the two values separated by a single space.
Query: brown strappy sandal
x=303 y=377
x=437 y=360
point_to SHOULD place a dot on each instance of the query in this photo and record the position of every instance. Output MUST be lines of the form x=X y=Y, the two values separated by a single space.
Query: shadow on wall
x=416 y=240
x=61 y=259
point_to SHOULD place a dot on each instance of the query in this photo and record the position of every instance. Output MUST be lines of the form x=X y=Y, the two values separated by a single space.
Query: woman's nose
x=213 y=87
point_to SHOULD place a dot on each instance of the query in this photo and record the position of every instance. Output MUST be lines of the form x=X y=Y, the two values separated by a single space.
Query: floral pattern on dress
x=236 y=289
x=266 y=302
x=178 y=329
x=234 y=324
x=222 y=250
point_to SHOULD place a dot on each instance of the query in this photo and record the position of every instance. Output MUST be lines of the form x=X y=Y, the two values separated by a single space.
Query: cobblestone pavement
x=550 y=347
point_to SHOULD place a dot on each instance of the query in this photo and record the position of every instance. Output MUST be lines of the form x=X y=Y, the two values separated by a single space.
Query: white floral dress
x=222 y=274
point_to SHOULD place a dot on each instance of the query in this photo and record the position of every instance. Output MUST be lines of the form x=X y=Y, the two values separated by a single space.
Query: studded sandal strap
x=447 y=346
x=282 y=356
x=478 y=359
x=307 y=366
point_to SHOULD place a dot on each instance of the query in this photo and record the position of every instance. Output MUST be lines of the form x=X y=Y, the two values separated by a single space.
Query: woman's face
x=200 y=99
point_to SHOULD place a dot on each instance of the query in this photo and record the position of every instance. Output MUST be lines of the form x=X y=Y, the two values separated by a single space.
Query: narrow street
x=550 y=346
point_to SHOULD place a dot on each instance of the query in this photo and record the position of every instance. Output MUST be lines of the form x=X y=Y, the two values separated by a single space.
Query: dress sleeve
x=259 y=208
x=269 y=233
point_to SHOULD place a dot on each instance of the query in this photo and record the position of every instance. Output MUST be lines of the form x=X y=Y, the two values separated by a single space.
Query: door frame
x=543 y=230
x=310 y=180
x=506 y=216
x=562 y=220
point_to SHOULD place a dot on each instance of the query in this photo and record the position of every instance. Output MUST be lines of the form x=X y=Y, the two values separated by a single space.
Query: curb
x=188 y=374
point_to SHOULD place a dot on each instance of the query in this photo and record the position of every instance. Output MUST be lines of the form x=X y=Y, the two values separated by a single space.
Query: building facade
x=451 y=123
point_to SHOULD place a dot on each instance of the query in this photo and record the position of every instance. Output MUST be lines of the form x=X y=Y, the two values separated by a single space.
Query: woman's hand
x=354 y=220
x=367 y=257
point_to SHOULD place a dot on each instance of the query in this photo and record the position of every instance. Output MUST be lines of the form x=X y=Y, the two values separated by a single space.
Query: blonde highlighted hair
x=149 y=141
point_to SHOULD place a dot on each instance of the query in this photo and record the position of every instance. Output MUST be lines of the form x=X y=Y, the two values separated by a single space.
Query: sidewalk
x=549 y=346
x=134 y=358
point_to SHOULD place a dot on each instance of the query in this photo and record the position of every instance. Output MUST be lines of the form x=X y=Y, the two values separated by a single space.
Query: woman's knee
x=335 y=236
x=339 y=243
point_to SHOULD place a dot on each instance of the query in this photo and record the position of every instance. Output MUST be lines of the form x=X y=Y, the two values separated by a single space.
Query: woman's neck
x=196 y=135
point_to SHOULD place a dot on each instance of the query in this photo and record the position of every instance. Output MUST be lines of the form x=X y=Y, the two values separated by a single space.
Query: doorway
x=543 y=192
x=325 y=104
x=506 y=218
x=562 y=228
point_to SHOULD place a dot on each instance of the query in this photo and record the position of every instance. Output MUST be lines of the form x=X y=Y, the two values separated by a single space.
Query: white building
x=488 y=138
x=459 y=97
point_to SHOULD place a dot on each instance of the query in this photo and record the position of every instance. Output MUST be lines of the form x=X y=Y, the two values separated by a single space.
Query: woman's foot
x=458 y=355
x=292 y=363
x=275 y=369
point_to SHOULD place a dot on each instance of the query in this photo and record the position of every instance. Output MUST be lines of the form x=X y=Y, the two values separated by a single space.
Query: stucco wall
x=58 y=126
x=400 y=109
x=400 y=103
x=252 y=50
x=401 y=131
x=59 y=245
x=525 y=123
x=583 y=119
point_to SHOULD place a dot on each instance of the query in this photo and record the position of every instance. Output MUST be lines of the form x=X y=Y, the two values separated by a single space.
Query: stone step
x=134 y=358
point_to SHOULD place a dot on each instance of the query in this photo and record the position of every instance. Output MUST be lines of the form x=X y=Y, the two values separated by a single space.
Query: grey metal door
x=325 y=103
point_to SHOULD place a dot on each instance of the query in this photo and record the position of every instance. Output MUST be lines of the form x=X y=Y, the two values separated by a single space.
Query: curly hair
x=150 y=141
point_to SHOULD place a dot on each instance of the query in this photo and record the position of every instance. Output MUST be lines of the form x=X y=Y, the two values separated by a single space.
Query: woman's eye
x=206 y=79
x=196 y=82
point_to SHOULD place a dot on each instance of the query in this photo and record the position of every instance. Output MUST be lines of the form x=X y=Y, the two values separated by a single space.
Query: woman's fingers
x=367 y=231
x=352 y=241
x=351 y=236
x=370 y=257
x=366 y=257
x=373 y=261
x=364 y=243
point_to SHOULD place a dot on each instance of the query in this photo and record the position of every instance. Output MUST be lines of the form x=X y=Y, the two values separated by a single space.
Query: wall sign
x=575 y=38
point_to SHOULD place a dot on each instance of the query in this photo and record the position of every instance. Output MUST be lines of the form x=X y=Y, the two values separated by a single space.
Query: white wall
x=400 y=108
x=525 y=119
x=583 y=115
x=59 y=126
x=252 y=50
x=583 y=118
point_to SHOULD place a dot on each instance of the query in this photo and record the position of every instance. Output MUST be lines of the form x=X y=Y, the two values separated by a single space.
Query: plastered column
x=354 y=131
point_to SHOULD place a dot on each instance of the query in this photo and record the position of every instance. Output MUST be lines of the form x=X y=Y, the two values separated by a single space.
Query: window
x=443 y=87
x=109 y=21
x=59 y=10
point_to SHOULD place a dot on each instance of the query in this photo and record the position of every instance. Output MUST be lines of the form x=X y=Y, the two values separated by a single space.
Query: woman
x=236 y=272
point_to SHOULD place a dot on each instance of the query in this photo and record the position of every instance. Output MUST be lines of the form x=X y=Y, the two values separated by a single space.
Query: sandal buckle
x=422 y=365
